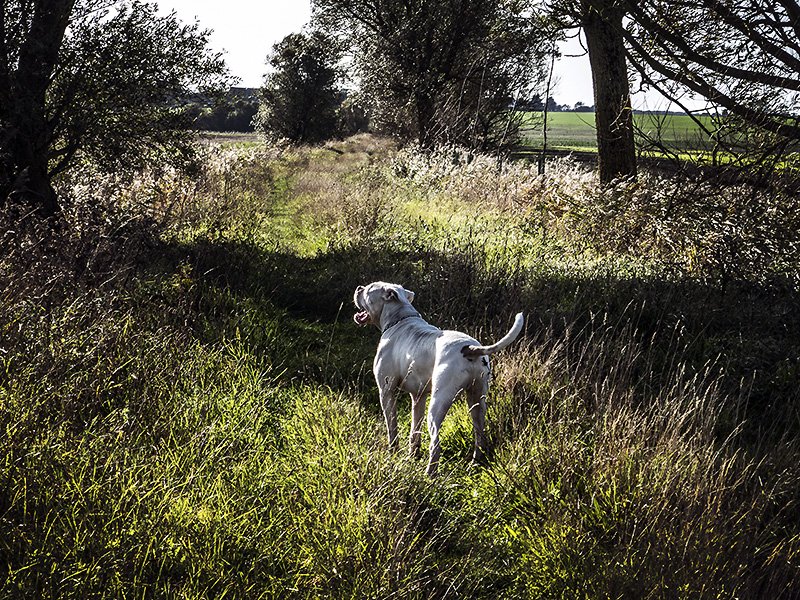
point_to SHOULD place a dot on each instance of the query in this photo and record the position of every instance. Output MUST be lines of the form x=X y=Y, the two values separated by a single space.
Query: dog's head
x=372 y=299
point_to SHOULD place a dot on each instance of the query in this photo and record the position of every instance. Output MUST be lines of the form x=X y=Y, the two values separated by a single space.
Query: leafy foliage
x=110 y=86
x=233 y=114
x=439 y=71
x=300 y=96
x=126 y=77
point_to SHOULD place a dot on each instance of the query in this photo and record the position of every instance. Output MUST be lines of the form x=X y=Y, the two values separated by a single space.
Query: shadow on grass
x=212 y=436
x=751 y=332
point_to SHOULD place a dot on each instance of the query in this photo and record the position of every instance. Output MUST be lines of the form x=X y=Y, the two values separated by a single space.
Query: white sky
x=243 y=29
x=246 y=31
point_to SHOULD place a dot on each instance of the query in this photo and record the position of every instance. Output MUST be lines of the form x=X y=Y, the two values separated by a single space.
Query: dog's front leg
x=387 y=389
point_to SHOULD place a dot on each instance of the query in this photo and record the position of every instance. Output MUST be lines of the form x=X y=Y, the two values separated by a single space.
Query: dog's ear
x=357 y=296
x=389 y=294
x=409 y=296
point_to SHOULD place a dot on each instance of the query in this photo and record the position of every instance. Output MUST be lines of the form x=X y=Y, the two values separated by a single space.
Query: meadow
x=188 y=411
x=575 y=131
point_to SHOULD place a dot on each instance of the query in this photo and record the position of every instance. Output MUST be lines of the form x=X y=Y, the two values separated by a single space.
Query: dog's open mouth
x=361 y=318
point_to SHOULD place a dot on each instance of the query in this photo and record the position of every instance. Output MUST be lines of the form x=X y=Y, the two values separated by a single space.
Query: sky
x=246 y=31
x=243 y=29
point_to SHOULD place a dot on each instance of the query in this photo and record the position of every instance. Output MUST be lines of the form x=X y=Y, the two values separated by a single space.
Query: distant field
x=576 y=131
x=228 y=137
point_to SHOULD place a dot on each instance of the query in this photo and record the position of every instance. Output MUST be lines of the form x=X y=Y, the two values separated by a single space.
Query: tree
x=602 y=21
x=616 y=152
x=552 y=105
x=301 y=95
x=439 y=71
x=97 y=80
x=743 y=57
x=234 y=113
x=535 y=103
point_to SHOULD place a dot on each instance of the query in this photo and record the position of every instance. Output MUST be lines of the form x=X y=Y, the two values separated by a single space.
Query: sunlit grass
x=189 y=412
x=576 y=130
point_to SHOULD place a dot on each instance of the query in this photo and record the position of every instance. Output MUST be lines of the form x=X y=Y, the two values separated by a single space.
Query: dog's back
x=408 y=350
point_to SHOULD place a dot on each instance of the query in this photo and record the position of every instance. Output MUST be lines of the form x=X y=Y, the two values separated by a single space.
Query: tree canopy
x=439 y=71
x=96 y=79
x=302 y=92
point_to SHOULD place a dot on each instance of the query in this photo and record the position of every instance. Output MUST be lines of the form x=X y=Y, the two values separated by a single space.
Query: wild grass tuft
x=187 y=410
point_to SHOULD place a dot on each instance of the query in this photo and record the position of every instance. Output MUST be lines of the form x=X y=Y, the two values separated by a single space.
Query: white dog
x=419 y=358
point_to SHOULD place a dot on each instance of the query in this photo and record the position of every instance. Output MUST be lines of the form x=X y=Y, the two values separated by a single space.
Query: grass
x=565 y=130
x=187 y=409
x=575 y=131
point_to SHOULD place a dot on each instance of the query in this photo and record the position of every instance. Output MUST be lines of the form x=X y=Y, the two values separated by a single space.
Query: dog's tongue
x=361 y=318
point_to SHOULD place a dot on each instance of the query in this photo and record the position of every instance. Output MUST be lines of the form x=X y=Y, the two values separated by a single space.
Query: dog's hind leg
x=476 y=402
x=417 y=415
x=442 y=395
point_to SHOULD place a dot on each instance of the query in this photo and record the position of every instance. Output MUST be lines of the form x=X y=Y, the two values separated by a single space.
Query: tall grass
x=188 y=412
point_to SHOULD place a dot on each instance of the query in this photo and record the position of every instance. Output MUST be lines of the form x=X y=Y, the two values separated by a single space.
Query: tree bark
x=424 y=113
x=602 y=25
x=27 y=133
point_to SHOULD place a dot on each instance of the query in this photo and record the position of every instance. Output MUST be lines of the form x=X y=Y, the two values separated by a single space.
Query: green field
x=576 y=131
x=187 y=410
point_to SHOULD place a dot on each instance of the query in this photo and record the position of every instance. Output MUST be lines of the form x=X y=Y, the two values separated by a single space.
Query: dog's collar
x=400 y=320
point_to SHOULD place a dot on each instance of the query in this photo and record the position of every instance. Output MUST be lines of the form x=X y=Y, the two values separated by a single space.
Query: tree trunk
x=602 y=25
x=31 y=185
x=27 y=134
x=424 y=114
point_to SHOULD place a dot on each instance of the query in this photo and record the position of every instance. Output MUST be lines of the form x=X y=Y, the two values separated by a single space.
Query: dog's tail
x=507 y=339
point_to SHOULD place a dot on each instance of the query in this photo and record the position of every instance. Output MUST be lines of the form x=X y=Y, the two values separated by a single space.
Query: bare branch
x=663 y=35
x=732 y=19
x=777 y=124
